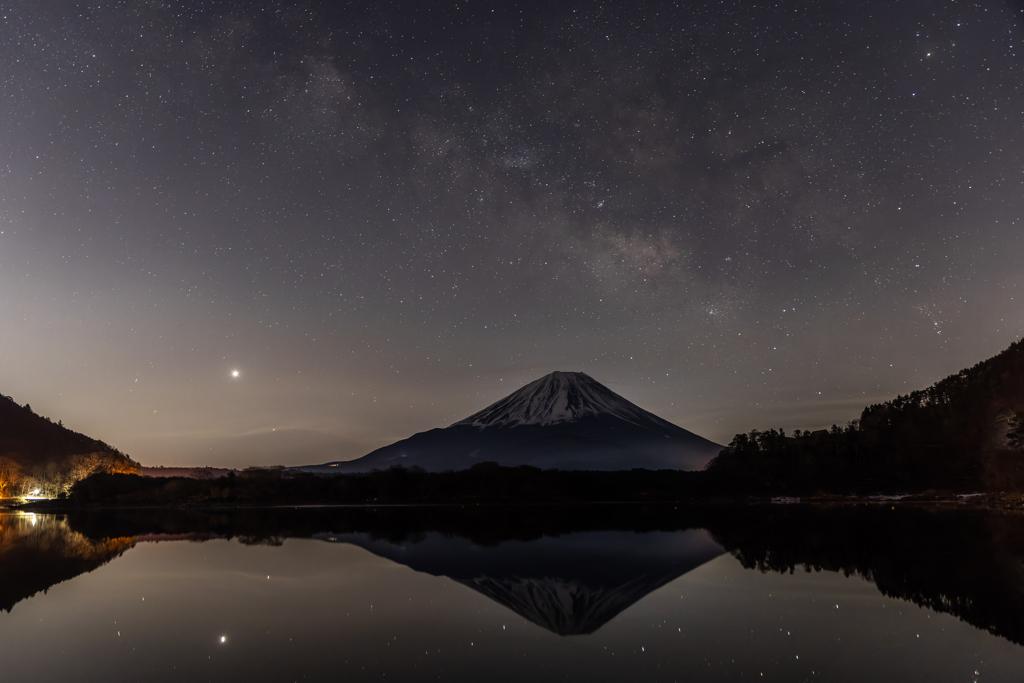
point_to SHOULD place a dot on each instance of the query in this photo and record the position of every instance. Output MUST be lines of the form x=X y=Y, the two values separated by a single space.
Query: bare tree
x=10 y=477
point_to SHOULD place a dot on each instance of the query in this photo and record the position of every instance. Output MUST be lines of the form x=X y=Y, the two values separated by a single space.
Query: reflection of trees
x=39 y=551
x=966 y=563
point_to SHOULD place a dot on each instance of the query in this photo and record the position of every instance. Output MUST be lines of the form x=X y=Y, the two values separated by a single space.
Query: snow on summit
x=556 y=398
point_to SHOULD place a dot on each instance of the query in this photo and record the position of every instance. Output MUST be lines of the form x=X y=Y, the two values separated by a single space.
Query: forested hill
x=966 y=428
x=37 y=453
x=28 y=438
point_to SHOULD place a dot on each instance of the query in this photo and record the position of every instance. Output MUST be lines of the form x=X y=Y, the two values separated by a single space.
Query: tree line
x=966 y=428
x=484 y=482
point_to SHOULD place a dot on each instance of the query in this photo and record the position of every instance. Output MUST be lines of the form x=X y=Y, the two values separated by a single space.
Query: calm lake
x=769 y=593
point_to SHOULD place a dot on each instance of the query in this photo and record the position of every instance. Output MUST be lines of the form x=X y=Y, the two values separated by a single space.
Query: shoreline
x=1002 y=501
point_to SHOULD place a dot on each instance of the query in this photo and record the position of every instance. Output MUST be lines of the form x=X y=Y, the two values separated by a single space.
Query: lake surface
x=777 y=593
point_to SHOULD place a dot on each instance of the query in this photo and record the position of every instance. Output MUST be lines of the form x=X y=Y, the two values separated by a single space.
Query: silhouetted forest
x=37 y=454
x=966 y=430
x=484 y=482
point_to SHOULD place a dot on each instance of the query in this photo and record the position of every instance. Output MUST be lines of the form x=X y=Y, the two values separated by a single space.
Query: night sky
x=384 y=216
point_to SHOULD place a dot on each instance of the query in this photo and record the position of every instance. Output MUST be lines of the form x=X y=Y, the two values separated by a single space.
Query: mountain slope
x=562 y=397
x=966 y=430
x=36 y=453
x=27 y=437
x=565 y=420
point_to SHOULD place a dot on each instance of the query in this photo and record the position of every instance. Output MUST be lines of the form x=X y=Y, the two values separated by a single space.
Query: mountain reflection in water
x=571 y=570
x=570 y=585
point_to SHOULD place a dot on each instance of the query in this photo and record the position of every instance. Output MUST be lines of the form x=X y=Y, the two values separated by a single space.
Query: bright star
x=234 y=373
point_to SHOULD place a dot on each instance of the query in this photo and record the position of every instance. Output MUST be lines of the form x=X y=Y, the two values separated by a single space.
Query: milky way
x=385 y=216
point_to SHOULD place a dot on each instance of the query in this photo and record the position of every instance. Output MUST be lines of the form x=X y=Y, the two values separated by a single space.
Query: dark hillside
x=37 y=453
x=30 y=438
x=965 y=430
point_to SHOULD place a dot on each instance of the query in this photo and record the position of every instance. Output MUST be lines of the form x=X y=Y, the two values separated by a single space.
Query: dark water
x=778 y=593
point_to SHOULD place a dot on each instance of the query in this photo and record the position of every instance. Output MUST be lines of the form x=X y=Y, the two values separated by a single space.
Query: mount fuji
x=565 y=420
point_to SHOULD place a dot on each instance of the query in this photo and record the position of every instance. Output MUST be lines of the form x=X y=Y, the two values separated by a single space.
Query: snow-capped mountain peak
x=557 y=398
x=565 y=420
